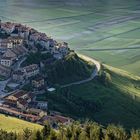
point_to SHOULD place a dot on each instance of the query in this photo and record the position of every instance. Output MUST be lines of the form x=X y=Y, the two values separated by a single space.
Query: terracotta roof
x=38 y=78
x=18 y=72
x=19 y=93
x=6 y=58
x=57 y=118
x=22 y=101
x=33 y=117
x=4 y=68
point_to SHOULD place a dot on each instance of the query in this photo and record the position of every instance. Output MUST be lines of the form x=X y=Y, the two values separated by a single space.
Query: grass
x=16 y=125
x=117 y=103
x=120 y=102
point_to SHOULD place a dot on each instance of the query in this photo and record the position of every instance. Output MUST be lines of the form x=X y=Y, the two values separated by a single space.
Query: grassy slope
x=120 y=102
x=71 y=69
x=13 y=124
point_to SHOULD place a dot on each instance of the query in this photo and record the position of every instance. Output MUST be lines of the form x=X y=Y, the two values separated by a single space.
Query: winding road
x=93 y=75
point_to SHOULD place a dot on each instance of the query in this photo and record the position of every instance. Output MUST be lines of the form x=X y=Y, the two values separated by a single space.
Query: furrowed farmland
x=101 y=26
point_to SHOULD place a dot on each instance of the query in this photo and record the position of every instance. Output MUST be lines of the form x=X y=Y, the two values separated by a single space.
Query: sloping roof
x=19 y=93
x=31 y=67
x=22 y=101
x=18 y=72
x=6 y=58
x=4 y=68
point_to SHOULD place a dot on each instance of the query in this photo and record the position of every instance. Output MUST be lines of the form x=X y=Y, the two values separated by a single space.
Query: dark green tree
x=27 y=133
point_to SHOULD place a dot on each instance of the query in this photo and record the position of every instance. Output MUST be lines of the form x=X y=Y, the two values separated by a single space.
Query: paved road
x=17 y=65
x=93 y=75
x=2 y=87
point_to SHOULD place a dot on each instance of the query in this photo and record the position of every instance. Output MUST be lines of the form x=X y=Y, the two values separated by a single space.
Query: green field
x=93 y=25
x=16 y=125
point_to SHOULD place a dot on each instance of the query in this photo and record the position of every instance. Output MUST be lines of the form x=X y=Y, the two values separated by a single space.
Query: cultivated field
x=112 y=24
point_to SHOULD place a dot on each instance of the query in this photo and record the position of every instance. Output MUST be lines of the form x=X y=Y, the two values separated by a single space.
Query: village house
x=57 y=119
x=37 y=112
x=15 y=40
x=15 y=53
x=21 y=31
x=34 y=37
x=19 y=99
x=18 y=76
x=60 y=50
x=6 y=61
x=63 y=48
x=22 y=104
x=8 y=27
x=14 y=112
x=5 y=71
x=38 y=82
x=42 y=105
x=6 y=43
x=31 y=70
x=9 y=43
x=10 y=54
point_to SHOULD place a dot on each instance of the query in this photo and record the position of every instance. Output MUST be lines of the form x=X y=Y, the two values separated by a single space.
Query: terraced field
x=86 y=26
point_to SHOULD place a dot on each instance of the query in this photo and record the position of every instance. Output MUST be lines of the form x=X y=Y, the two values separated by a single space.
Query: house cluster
x=29 y=73
x=32 y=37
x=21 y=40
x=18 y=41
x=21 y=104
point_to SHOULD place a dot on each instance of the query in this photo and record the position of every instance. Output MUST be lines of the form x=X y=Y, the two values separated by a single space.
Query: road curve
x=93 y=75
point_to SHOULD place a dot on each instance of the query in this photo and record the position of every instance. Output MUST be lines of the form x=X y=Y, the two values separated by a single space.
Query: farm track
x=59 y=18
x=104 y=38
x=114 y=21
x=112 y=49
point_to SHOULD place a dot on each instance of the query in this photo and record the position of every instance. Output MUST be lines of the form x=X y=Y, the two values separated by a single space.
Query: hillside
x=72 y=68
x=13 y=124
x=105 y=100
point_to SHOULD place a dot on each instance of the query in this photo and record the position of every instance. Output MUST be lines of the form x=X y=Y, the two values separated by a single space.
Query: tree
x=68 y=133
x=115 y=133
x=96 y=132
x=46 y=130
x=135 y=135
x=87 y=129
x=38 y=135
x=53 y=135
x=105 y=78
x=27 y=133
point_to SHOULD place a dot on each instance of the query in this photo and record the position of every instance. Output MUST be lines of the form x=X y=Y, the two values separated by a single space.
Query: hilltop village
x=16 y=43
